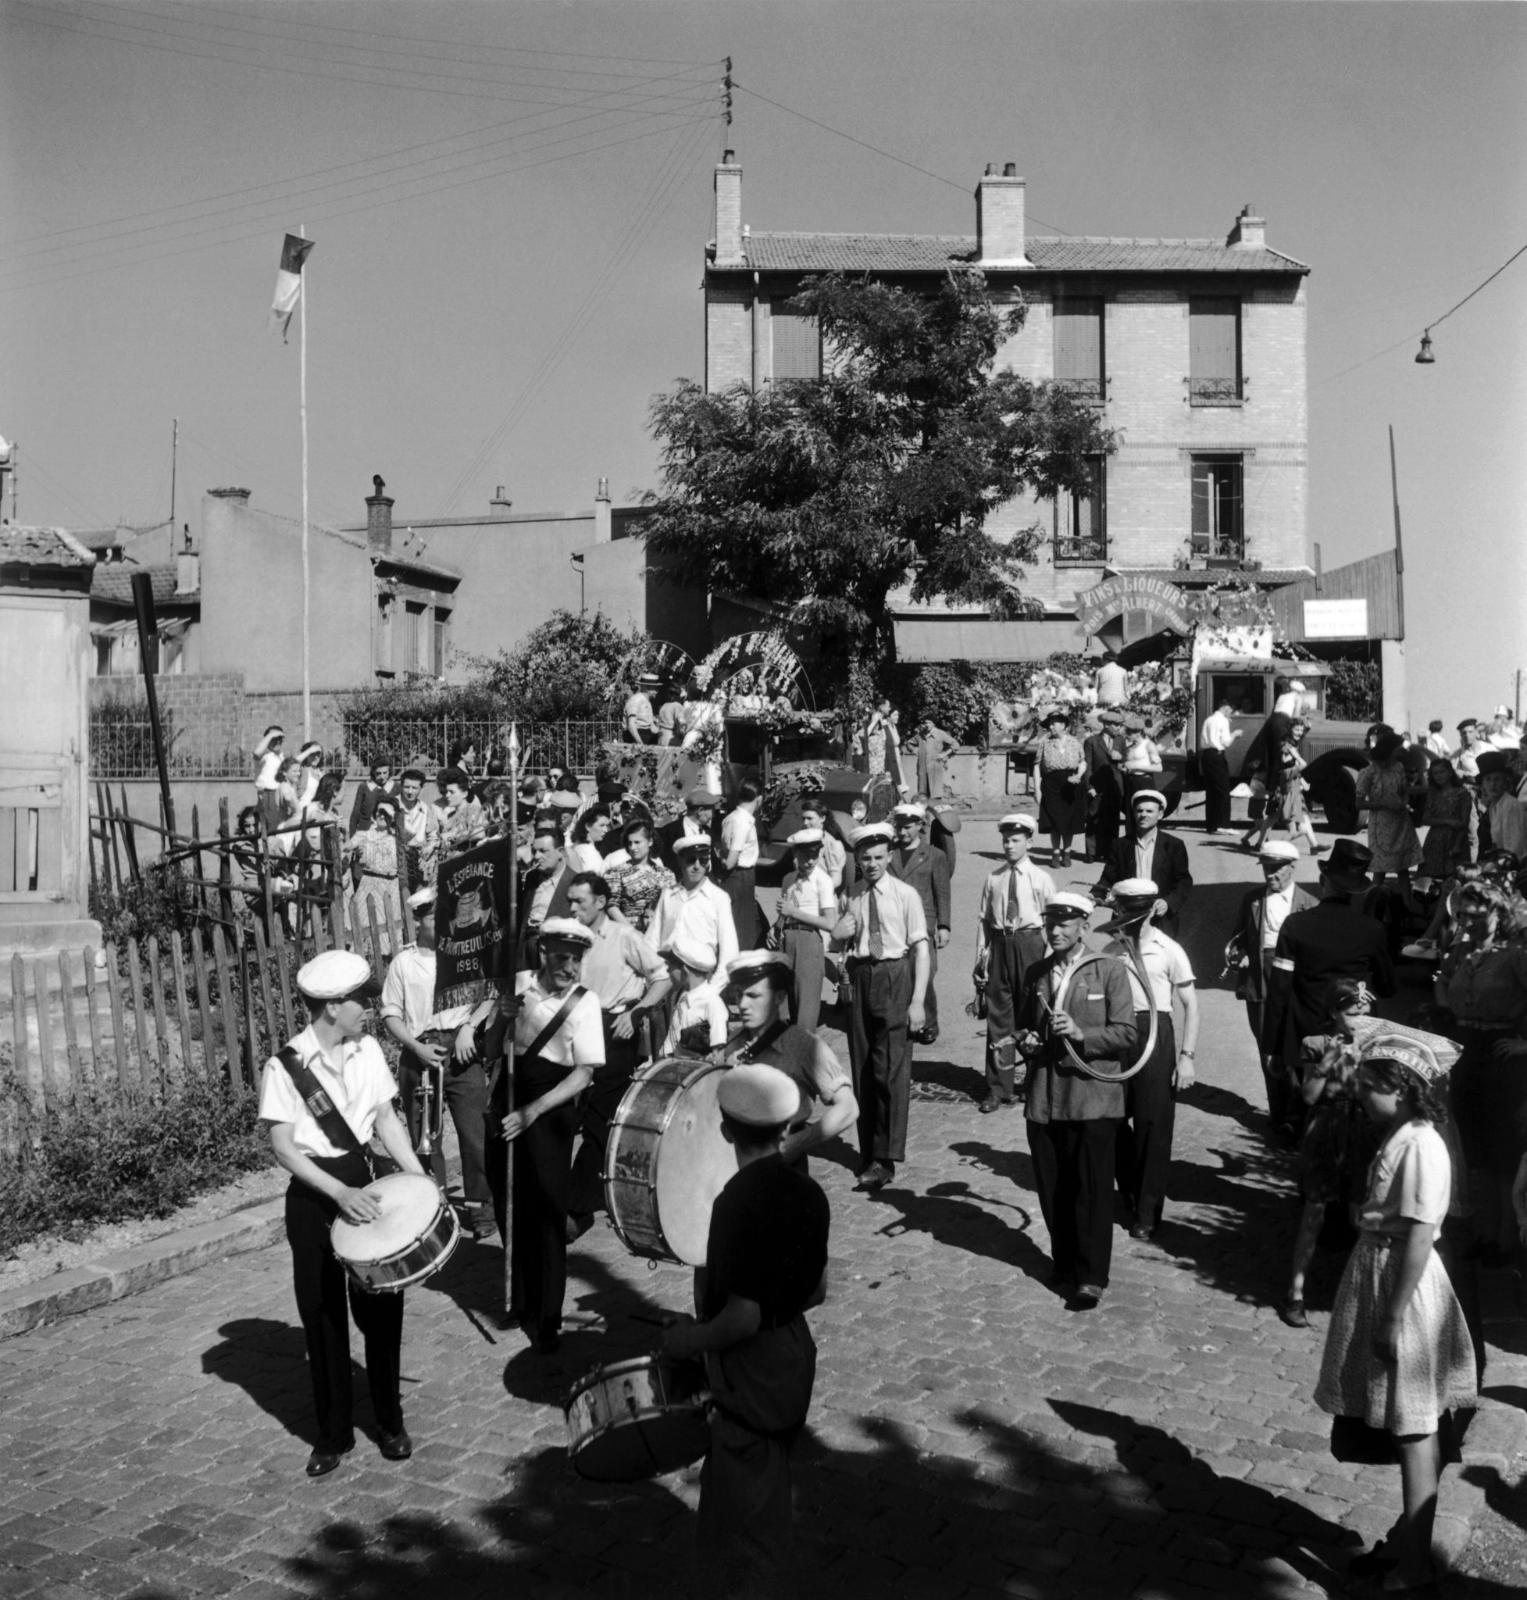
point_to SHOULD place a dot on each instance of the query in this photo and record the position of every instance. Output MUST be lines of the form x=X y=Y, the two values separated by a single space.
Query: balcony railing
x=1088 y=550
x=1086 y=391
x=1215 y=391
x=1223 y=547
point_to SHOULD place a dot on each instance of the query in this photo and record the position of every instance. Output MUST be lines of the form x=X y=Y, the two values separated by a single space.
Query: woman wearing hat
x=1062 y=767
x=322 y=1098
x=1398 y=1356
x=1385 y=792
x=376 y=860
x=269 y=754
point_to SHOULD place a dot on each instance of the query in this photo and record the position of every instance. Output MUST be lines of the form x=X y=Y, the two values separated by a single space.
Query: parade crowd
x=641 y=942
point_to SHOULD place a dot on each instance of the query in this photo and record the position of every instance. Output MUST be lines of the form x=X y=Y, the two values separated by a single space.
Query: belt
x=877 y=961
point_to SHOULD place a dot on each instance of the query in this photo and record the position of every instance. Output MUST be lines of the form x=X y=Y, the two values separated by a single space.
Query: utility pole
x=174 y=453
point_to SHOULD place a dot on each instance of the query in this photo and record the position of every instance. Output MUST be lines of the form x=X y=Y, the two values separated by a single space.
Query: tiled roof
x=113 y=583
x=917 y=252
x=42 y=547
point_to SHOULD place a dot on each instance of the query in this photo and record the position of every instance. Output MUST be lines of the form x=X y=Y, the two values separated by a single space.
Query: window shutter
x=797 y=347
x=1079 y=346
x=1214 y=342
x=1201 y=507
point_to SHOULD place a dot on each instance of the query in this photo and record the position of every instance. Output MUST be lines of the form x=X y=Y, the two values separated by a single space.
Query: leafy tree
x=827 y=497
x=574 y=665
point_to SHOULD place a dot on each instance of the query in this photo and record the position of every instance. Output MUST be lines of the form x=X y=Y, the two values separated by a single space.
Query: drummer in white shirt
x=329 y=1180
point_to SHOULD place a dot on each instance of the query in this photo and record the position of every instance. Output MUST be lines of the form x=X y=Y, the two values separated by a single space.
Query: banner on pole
x=474 y=934
x=294 y=251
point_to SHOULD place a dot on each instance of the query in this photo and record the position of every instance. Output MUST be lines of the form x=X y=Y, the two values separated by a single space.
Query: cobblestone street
x=969 y=1435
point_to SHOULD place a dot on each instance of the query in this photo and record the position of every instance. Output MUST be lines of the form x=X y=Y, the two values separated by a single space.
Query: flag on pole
x=288 y=283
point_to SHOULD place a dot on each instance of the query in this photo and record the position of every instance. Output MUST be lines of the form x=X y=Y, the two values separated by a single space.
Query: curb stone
x=129 y=1271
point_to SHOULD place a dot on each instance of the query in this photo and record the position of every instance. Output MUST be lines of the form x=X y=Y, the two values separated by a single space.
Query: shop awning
x=980 y=639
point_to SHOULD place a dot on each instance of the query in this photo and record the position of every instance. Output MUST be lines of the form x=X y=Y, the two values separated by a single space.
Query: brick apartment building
x=1193 y=351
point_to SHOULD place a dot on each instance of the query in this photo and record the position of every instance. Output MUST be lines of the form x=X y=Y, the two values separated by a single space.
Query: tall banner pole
x=510 y=934
x=307 y=705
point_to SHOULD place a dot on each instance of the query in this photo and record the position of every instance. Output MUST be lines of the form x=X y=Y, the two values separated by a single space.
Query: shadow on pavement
x=945 y=1080
x=953 y=1215
x=268 y=1360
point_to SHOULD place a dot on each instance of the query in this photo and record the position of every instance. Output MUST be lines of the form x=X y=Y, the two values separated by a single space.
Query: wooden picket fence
x=143 y=1018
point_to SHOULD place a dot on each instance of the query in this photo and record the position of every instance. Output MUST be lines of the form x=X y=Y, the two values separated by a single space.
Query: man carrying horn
x=1143 y=1150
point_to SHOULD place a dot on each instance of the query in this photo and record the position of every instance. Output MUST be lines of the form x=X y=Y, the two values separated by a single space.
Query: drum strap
x=321 y=1108
x=545 y=1036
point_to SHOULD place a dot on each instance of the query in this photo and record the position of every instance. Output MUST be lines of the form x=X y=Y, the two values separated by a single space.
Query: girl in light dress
x=1398 y=1356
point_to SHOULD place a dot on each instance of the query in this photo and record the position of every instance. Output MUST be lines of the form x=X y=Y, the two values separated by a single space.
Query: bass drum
x=666 y=1161
x=413 y=1237
x=636 y=1419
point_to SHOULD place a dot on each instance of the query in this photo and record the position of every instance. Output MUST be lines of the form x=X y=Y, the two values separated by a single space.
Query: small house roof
x=41 y=547
x=112 y=583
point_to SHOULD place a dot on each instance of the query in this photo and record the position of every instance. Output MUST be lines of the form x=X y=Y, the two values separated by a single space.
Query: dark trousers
x=466 y=1097
x=1143 y=1149
x=930 y=998
x=1216 y=771
x=1108 y=816
x=1073 y=1171
x=326 y=1299
x=543 y=1160
x=808 y=963
x=1013 y=952
x=1284 y=1103
x=600 y=1103
x=880 y=1052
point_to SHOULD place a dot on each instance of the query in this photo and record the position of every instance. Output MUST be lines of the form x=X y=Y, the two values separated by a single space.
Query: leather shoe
x=994 y=1103
x=397 y=1446
x=1086 y=1297
x=322 y=1462
x=1291 y=1312
x=1143 y=1230
x=548 y=1338
x=875 y=1178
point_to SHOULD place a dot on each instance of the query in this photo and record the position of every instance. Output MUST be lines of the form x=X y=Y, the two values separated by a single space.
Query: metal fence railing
x=123 y=747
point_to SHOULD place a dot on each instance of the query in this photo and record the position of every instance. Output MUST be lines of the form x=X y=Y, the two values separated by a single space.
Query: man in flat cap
x=697 y=822
x=1076 y=1008
x=1331 y=940
x=760 y=981
x=1147 y=851
x=1105 y=752
x=1249 y=954
x=322 y=1098
x=1010 y=939
x=886 y=935
x=765 y=1267
x=918 y=863
x=695 y=911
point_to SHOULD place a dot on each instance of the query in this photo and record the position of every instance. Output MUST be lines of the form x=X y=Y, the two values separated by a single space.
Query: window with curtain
x=1081 y=535
x=439 y=641
x=414 y=635
x=797 y=347
x=1219 y=528
x=1079 y=348
x=1214 y=352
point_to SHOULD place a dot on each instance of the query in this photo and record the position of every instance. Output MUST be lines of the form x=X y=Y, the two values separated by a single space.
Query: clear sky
x=510 y=204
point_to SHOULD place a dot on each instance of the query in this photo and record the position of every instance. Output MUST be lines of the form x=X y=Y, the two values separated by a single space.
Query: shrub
x=162 y=902
x=1354 y=692
x=107 y=1159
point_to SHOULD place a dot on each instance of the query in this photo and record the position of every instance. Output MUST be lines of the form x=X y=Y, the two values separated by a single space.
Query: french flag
x=294 y=251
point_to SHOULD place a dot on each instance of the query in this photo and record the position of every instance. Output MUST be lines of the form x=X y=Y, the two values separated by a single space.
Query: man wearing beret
x=765 y=1267
x=887 y=938
x=323 y=1097
x=1145 y=851
x=1075 y=1009
x=926 y=868
x=1010 y=939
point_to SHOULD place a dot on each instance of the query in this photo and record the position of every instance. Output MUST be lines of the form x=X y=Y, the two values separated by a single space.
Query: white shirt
x=702 y=1004
x=408 y=993
x=1112 y=684
x=1290 y=703
x=1216 y=733
x=739 y=832
x=540 y=901
x=813 y=894
x=1166 y=965
x=1275 y=909
x=1036 y=889
x=1436 y=745
x=700 y=917
x=360 y=1086
x=579 y=1042
x=270 y=765
x=585 y=858
x=899 y=910
x=621 y=966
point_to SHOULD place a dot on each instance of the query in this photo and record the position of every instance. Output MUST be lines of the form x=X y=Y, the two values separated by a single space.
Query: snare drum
x=636 y=1419
x=413 y=1237
x=666 y=1161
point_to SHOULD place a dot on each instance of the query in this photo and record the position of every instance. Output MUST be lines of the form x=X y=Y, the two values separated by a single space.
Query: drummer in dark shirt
x=765 y=1265
x=760 y=980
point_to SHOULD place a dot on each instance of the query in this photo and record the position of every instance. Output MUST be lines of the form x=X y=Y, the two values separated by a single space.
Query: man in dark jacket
x=1105 y=762
x=926 y=868
x=1075 y=1008
x=1146 y=852
x=698 y=822
x=544 y=894
x=1329 y=941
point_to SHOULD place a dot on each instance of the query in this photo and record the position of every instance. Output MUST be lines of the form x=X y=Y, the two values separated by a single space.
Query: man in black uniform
x=926 y=868
x=322 y=1097
x=1146 y=852
x=1072 y=1004
x=1315 y=947
x=765 y=1266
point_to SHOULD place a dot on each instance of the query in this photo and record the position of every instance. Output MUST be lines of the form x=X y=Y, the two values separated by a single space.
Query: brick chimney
x=729 y=212
x=1248 y=232
x=379 y=519
x=603 y=523
x=240 y=497
x=999 y=218
x=500 y=505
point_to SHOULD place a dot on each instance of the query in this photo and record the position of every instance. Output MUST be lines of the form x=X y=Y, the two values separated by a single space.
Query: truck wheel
x=1172 y=801
x=1339 y=800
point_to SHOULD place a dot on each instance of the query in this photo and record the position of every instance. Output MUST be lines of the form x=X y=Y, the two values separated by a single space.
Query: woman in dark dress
x=1062 y=766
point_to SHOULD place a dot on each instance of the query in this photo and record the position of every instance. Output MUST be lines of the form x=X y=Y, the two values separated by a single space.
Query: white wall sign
x=1336 y=619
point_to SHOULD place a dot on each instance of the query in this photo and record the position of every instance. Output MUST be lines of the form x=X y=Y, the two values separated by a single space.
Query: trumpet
x=1129 y=936
x=430 y=1096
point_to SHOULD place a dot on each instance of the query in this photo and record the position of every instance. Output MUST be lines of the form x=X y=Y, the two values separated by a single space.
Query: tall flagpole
x=307 y=706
